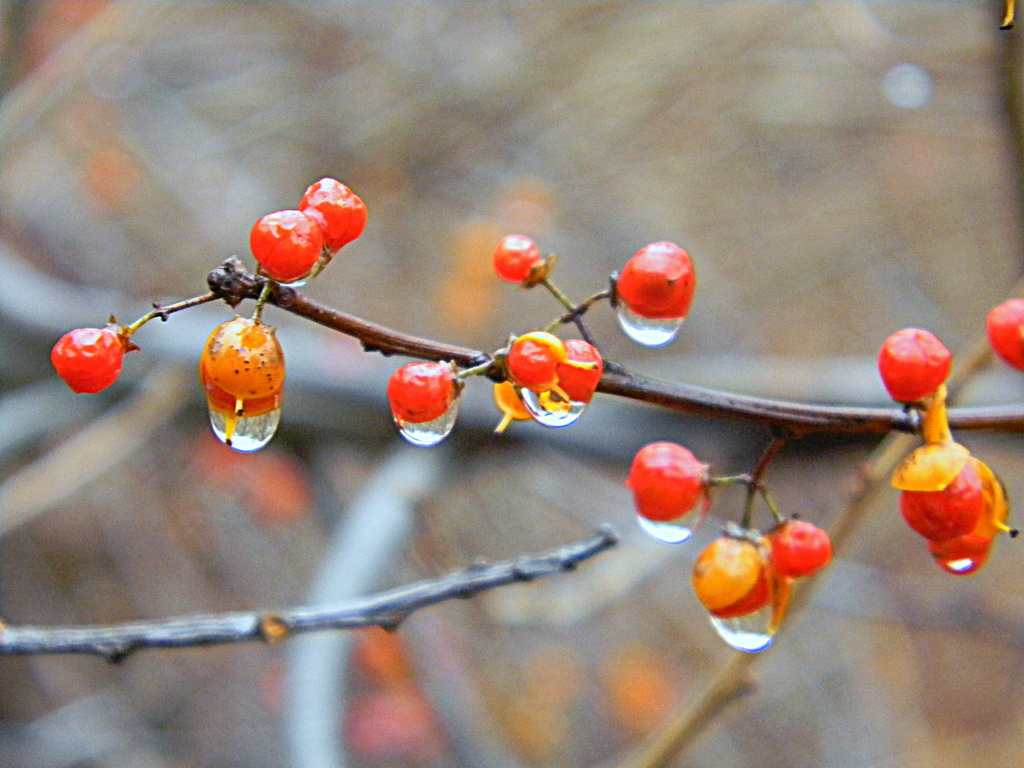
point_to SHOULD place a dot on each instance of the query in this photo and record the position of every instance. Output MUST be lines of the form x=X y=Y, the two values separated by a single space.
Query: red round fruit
x=658 y=282
x=579 y=383
x=913 y=364
x=338 y=209
x=88 y=359
x=1005 y=327
x=515 y=257
x=287 y=244
x=951 y=512
x=799 y=548
x=421 y=392
x=667 y=481
x=533 y=360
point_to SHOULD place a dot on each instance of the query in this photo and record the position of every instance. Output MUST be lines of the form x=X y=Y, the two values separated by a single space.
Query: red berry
x=88 y=359
x=913 y=364
x=667 y=481
x=287 y=244
x=579 y=383
x=799 y=548
x=514 y=257
x=953 y=511
x=533 y=360
x=658 y=282
x=1005 y=327
x=421 y=392
x=338 y=209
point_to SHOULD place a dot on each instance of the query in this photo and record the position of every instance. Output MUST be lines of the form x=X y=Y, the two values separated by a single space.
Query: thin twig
x=234 y=284
x=386 y=609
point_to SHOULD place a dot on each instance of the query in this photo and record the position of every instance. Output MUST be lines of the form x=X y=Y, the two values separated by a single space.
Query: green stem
x=257 y=312
x=554 y=290
x=476 y=370
x=164 y=311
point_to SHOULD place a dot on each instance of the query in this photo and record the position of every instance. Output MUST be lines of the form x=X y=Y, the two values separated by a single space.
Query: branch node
x=273 y=628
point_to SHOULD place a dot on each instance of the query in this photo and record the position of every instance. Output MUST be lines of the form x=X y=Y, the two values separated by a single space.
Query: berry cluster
x=742 y=578
x=541 y=377
x=292 y=246
x=947 y=496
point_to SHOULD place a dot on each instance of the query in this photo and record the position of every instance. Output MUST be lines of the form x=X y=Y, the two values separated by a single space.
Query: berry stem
x=1008 y=16
x=576 y=312
x=163 y=312
x=257 y=311
x=476 y=370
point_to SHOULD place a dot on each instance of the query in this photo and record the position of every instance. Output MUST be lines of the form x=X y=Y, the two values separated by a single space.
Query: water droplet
x=671 y=532
x=550 y=412
x=428 y=433
x=750 y=633
x=644 y=330
x=247 y=433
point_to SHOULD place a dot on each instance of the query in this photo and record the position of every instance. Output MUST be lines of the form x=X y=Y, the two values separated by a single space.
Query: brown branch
x=232 y=283
x=386 y=609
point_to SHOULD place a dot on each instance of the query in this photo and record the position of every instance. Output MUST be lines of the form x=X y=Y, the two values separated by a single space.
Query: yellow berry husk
x=726 y=571
x=243 y=358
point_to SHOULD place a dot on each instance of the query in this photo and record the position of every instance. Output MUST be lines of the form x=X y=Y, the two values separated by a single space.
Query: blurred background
x=837 y=169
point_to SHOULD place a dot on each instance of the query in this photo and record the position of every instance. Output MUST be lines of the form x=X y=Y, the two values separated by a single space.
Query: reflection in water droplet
x=245 y=434
x=750 y=633
x=644 y=330
x=961 y=565
x=551 y=412
x=672 y=532
x=428 y=433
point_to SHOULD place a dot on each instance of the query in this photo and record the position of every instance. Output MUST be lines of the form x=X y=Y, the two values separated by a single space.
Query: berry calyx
x=243 y=358
x=579 y=382
x=667 y=481
x=1005 y=328
x=287 y=244
x=913 y=364
x=658 y=282
x=953 y=511
x=88 y=359
x=421 y=392
x=799 y=549
x=729 y=575
x=533 y=360
x=510 y=404
x=515 y=257
x=339 y=210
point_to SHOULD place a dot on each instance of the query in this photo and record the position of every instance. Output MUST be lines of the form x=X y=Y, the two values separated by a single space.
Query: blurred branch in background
x=387 y=610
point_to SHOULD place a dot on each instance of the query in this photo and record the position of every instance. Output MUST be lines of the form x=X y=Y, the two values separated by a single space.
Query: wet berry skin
x=658 y=282
x=799 y=548
x=667 y=481
x=287 y=244
x=579 y=383
x=340 y=212
x=913 y=364
x=533 y=360
x=243 y=358
x=943 y=515
x=1005 y=328
x=515 y=257
x=88 y=359
x=421 y=392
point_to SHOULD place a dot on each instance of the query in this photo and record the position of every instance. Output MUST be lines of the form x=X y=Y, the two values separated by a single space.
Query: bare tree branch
x=386 y=609
x=233 y=283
